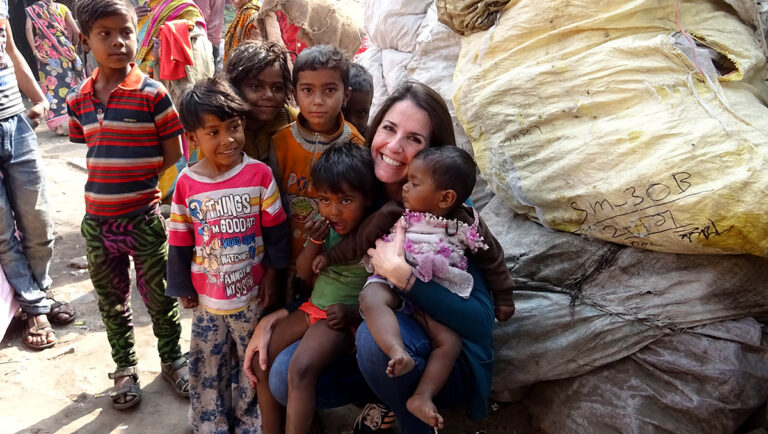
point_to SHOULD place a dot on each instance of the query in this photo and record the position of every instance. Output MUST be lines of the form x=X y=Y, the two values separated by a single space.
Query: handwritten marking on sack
x=646 y=211
x=520 y=134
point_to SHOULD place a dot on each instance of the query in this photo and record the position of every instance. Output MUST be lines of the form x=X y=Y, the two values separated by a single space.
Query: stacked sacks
x=597 y=118
x=606 y=330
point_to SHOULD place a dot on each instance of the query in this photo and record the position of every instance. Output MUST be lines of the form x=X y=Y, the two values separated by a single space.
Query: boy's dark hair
x=360 y=79
x=252 y=57
x=347 y=166
x=452 y=168
x=212 y=96
x=321 y=57
x=90 y=11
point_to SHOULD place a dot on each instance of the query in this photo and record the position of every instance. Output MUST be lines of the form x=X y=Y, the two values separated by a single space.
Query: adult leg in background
x=23 y=201
x=396 y=391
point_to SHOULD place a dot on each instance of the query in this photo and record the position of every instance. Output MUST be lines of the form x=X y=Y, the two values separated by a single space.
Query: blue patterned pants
x=221 y=398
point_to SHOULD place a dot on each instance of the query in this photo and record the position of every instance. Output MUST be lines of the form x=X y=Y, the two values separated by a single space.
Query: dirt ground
x=61 y=390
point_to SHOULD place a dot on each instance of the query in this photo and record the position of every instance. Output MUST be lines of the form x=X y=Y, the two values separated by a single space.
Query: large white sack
x=705 y=380
x=370 y=59
x=433 y=62
x=584 y=303
x=394 y=23
x=393 y=65
x=586 y=116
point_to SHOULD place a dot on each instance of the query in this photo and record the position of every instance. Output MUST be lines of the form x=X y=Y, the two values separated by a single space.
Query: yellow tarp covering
x=586 y=116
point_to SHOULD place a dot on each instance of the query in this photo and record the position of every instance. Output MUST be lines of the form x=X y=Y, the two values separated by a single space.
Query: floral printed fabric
x=218 y=343
x=64 y=70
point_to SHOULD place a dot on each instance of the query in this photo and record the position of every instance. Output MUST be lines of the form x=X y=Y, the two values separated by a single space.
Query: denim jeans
x=340 y=384
x=394 y=392
x=343 y=379
x=24 y=204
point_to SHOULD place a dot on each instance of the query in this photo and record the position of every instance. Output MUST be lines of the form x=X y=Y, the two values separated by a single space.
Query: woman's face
x=402 y=133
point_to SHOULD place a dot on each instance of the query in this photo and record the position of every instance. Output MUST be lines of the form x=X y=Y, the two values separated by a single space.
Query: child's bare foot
x=422 y=407
x=399 y=363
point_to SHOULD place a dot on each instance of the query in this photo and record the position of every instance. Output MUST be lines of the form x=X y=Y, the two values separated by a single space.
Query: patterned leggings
x=109 y=243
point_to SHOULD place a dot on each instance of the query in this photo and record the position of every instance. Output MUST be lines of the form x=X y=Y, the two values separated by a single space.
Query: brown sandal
x=35 y=327
x=61 y=313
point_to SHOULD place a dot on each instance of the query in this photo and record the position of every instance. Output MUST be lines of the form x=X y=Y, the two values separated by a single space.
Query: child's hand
x=267 y=288
x=319 y=263
x=342 y=315
x=318 y=229
x=503 y=313
x=189 y=302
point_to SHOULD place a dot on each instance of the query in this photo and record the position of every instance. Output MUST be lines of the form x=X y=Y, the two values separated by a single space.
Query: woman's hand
x=142 y=10
x=388 y=260
x=41 y=56
x=260 y=342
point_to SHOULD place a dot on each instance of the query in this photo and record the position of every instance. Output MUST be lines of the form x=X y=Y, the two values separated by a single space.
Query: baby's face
x=419 y=192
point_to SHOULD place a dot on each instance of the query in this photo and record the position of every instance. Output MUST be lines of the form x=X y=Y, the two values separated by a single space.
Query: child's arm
x=168 y=127
x=318 y=232
x=492 y=263
x=171 y=153
x=276 y=236
x=356 y=243
x=181 y=249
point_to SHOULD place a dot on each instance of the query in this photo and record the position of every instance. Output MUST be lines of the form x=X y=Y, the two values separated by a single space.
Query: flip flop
x=35 y=327
x=61 y=313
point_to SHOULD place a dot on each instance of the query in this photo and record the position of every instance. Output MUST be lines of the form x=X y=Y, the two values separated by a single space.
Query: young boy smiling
x=133 y=134
x=228 y=236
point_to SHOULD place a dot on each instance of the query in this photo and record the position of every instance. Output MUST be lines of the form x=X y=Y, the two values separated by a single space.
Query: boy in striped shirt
x=133 y=134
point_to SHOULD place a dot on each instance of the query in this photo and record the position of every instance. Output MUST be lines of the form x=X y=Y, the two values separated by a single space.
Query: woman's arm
x=472 y=318
x=72 y=28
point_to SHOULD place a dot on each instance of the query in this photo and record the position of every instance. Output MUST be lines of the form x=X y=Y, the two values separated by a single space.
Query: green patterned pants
x=109 y=244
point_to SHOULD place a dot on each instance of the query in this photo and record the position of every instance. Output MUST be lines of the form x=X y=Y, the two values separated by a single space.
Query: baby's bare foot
x=422 y=407
x=399 y=363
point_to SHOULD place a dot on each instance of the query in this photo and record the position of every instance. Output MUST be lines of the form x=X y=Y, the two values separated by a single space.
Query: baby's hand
x=342 y=315
x=503 y=313
x=189 y=302
x=319 y=263
x=318 y=229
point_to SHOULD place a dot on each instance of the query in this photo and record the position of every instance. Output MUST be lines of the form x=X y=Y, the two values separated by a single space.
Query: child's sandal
x=181 y=382
x=132 y=390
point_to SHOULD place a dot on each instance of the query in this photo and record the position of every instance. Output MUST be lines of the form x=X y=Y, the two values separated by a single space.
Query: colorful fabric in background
x=161 y=12
x=175 y=50
x=246 y=19
x=64 y=69
x=290 y=34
